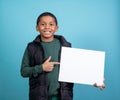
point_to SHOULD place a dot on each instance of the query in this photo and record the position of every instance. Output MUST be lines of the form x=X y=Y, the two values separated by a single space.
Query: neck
x=47 y=39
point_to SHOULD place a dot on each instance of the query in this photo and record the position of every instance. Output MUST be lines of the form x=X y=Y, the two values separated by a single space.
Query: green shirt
x=52 y=49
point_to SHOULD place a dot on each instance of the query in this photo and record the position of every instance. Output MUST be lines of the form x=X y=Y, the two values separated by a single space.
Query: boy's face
x=47 y=27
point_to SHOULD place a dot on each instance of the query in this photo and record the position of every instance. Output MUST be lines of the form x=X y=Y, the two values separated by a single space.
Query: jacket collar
x=59 y=37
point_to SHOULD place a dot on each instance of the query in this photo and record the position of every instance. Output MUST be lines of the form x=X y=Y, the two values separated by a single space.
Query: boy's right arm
x=26 y=69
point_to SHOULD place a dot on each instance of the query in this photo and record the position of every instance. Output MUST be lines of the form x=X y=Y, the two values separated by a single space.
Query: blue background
x=88 y=24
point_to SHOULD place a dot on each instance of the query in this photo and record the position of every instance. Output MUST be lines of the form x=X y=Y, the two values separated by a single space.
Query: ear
x=37 y=28
x=56 y=28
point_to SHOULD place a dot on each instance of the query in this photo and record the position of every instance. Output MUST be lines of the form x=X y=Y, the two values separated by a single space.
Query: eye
x=42 y=24
x=51 y=24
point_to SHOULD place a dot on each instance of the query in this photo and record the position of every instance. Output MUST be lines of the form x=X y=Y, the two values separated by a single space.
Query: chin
x=48 y=36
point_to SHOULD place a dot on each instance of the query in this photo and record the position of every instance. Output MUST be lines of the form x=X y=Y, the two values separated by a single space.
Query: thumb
x=49 y=58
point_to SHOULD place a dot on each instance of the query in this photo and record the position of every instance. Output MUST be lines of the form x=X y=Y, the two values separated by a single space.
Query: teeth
x=47 y=32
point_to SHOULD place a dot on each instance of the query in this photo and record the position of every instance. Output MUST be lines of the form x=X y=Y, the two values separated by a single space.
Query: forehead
x=47 y=19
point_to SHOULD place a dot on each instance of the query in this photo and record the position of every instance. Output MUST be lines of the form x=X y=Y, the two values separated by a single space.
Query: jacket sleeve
x=66 y=91
x=26 y=69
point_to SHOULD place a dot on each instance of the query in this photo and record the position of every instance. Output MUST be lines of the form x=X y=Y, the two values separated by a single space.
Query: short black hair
x=46 y=14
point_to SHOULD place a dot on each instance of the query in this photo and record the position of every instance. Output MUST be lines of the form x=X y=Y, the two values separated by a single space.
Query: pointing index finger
x=55 y=63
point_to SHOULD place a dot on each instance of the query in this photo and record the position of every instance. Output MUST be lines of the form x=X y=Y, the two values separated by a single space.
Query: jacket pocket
x=38 y=92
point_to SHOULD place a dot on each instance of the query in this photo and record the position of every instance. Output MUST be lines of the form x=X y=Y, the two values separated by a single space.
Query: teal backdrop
x=87 y=24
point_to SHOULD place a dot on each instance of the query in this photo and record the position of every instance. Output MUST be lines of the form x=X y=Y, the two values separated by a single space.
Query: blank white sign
x=82 y=66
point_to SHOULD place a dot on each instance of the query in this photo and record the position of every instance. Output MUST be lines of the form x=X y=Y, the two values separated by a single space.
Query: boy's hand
x=48 y=66
x=101 y=87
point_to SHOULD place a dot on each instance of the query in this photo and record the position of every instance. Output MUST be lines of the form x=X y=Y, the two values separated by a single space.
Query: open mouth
x=47 y=32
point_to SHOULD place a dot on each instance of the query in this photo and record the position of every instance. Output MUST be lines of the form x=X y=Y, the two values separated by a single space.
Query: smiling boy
x=41 y=62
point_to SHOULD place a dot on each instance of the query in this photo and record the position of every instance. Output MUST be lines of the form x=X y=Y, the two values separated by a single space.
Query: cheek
x=40 y=28
x=54 y=28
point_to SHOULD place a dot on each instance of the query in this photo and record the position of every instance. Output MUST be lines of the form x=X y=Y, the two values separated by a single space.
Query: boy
x=41 y=62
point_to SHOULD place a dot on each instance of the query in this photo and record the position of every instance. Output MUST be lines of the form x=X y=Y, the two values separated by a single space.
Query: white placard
x=82 y=66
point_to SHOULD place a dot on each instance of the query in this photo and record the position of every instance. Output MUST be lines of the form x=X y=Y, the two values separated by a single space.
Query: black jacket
x=38 y=84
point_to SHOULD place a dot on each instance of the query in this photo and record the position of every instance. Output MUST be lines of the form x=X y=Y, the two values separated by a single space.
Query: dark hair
x=46 y=14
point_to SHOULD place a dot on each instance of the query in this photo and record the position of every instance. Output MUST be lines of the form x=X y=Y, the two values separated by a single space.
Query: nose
x=47 y=26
